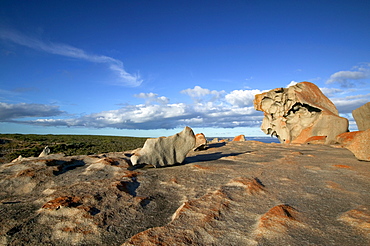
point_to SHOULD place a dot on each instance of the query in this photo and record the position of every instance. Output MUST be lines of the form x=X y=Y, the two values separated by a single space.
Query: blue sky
x=149 y=68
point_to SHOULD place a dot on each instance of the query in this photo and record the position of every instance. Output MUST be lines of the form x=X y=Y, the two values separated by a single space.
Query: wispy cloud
x=347 y=79
x=114 y=65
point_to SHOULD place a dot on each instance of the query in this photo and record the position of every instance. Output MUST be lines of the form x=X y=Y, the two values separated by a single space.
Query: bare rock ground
x=235 y=193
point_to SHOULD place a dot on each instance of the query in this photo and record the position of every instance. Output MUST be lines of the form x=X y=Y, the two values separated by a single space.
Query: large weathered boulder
x=298 y=113
x=362 y=117
x=200 y=142
x=360 y=145
x=239 y=138
x=165 y=151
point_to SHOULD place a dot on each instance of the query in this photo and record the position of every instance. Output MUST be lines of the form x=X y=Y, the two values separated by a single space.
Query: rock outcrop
x=165 y=151
x=239 y=138
x=200 y=142
x=362 y=117
x=45 y=152
x=298 y=113
x=240 y=193
x=360 y=145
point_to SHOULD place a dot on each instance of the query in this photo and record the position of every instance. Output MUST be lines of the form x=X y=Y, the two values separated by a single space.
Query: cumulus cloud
x=345 y=105
x=153 y=98
x=241 y=98
x=198 y=93
x=157 y=113
x=114 y=65
x=168 y=116
x=9 y=112
x=347 y=79
x=229 y=110
x=329 y=92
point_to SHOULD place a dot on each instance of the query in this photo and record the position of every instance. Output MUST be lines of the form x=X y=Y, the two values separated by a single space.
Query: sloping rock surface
x=298 y=113
x=362 y=117
x=235 y=193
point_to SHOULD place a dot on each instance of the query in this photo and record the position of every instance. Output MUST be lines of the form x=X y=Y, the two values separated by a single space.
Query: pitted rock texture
x=298 y=113
x=235 y=193
x=165 y=151
x=362 y=117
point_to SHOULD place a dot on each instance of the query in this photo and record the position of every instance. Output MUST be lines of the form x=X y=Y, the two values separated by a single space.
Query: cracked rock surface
x=235 y=193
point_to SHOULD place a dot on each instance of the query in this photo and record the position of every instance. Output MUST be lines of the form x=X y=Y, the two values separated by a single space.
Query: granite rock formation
x=200 y=142
x=239 y=138
x=165 y=151
x=238 y=193
x=299 y=112
x=45 y=152
x=360 y=145
x=362 y=117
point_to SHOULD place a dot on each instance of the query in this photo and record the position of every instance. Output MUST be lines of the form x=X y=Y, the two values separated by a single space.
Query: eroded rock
x=362 y=117
x=239 y=138
x=200 y=142
x=45 y=152
x=165 y=151
x=360 y=145
x=298 y=113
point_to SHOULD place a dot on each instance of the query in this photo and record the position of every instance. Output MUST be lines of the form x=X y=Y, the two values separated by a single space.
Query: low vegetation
x=27 y=145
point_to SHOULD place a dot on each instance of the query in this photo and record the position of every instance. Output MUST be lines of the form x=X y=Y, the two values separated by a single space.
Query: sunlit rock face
x=301 y=111
x=362 y=117
x=165 y=151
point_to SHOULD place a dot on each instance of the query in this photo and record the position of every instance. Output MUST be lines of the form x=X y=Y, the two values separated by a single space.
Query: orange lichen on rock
x=65 y=201
x=200 y=142
x=239 y=138
x=277 y=219
x=131 y=174
x=360 y=145
x=252 y=186
x=316 y=140
x=342 y=166
x=347 y=137
x=358 y=218
x=301 y=111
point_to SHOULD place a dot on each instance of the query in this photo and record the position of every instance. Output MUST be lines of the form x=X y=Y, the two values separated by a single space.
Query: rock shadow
x=129 y=186
x=65 y=166
x=215 y=145
x=210 y=157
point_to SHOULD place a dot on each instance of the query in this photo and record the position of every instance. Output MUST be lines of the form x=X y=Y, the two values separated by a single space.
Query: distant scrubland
x=27 y=145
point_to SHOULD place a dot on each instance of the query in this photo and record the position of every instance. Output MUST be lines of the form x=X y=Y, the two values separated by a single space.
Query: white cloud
x=234 y=109
x=198 y=93
x=8 y=112
x=152 y=97
x=114 y=65
x=158 y=113
x=291 y=83
x=345 y=105
x=347 y=78
x=329 y=92
x=241 y=98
